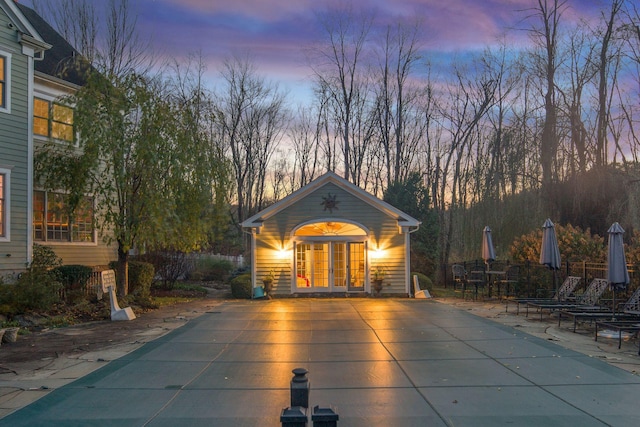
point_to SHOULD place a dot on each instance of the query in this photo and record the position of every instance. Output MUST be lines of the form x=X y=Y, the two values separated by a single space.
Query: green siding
x=14 y=151
x=85 y=254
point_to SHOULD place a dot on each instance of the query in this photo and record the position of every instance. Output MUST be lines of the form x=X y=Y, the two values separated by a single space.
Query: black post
x=324 y=417
x=300 y=388
x=295 y=416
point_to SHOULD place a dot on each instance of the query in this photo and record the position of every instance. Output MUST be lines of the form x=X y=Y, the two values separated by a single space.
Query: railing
x=536 y=279
x=94 y=283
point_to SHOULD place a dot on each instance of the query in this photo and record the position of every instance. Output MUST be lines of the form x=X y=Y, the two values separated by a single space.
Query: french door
x=330 y=266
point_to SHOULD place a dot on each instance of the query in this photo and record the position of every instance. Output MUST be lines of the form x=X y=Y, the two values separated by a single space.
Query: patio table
x=492 y=276
x=619 y=326
x=597 y=313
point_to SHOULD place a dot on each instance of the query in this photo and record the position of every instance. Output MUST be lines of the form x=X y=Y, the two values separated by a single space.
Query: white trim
x=254 y=268
x=7 y=72
x=407 y=263
x=94 y=242
x=7 y=204
x=330 y=177
x=292 y=235
x=332 y=288
x=30 y=155
x=23 y=24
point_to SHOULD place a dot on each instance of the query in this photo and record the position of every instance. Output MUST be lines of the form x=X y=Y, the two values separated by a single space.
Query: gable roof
x=27 y=34
x=404 y=220
x=62 y=61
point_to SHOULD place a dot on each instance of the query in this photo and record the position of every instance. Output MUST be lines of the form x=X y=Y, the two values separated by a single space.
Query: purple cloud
x=275 y=33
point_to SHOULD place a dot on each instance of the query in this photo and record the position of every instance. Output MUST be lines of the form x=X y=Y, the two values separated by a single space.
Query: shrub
x=74 y=279
x=573 y=242
x=208 y=269
x=140 y=278
x=169 y=266
x=73 y=276
x=241 y=286
x=38 y=288
x=44 y=258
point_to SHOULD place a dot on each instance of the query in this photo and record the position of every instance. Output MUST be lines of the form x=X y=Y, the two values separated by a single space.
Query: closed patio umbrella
x=488 y=252
x=549 y=252
x=617 y=273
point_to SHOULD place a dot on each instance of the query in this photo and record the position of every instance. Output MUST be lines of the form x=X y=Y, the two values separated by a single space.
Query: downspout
x=407 y=263
x=253 y=260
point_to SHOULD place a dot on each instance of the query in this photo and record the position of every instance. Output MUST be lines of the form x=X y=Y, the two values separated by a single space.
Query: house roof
x=27 y=34
x=404 y=220
x=62 y=60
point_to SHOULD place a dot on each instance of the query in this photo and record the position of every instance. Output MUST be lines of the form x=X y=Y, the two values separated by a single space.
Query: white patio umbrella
x=617 y=273
x=549 y=251
x=488 y=252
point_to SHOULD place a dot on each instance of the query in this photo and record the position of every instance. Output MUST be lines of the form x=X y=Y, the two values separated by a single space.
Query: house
x=331 y=237
x=37 y=69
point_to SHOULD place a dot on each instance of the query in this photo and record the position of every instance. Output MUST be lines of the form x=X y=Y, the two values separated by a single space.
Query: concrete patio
x=377 y=362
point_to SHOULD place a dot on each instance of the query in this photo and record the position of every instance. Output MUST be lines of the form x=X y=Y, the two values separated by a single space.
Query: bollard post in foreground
x=324 y=417
x=295 y=416
x=300 y=388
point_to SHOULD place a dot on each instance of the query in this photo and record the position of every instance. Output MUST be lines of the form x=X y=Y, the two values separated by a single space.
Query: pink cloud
x=277 y=32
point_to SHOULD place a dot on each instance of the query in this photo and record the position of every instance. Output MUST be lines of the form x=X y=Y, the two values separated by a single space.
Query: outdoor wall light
x=377 y=253
x=283 y=253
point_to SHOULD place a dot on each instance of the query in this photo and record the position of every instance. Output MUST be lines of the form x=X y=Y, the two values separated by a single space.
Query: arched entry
x=329 y=256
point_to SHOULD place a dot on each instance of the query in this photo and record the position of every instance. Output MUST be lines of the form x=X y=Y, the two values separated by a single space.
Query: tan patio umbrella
x=549 y=251
x=488 y=252
x=617 y=273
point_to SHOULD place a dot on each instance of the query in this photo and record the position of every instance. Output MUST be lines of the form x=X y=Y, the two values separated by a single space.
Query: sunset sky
x=276 y=33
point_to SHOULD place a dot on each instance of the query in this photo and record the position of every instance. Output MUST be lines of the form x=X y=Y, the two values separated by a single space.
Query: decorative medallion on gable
x=329 y=202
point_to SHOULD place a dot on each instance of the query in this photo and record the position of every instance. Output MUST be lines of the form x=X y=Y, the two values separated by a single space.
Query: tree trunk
x=123 y=272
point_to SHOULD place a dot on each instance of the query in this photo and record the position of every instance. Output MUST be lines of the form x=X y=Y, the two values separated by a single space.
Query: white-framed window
x=5 y=82
x=53 y=223
x=52 y=119
x=5 y=180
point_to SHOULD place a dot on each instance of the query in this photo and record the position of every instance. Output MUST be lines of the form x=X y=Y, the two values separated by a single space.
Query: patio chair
x=477 y=278
x=627 y=312
x=511 y=278
x=586 y=301
x=459 y=275
x=567 y=289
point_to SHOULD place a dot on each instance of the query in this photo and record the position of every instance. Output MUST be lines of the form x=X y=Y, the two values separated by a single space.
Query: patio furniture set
x=586 y=307
x=481 y=278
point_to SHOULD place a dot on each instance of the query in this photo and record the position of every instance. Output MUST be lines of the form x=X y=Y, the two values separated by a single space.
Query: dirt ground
x=73 y=341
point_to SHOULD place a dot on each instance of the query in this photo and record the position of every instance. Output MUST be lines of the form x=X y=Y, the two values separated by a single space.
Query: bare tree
x=397 y=101
x=581 y=70
x=607 y=60
x=545 y=35
x=250 y=120
x=305 y=134
x=469 y=98
x=338 y=70
x=107 y=36
x=76 y=21
x=506 y=73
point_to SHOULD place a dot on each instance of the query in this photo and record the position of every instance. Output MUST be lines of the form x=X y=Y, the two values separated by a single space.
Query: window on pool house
x=3 y=204
x=52 y=119
x=52 y=221
x=4 y=84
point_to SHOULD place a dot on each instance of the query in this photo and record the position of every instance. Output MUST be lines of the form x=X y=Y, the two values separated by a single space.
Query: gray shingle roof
x=62 y=60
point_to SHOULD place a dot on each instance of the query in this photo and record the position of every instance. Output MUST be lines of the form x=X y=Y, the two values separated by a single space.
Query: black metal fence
x=535 y=279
